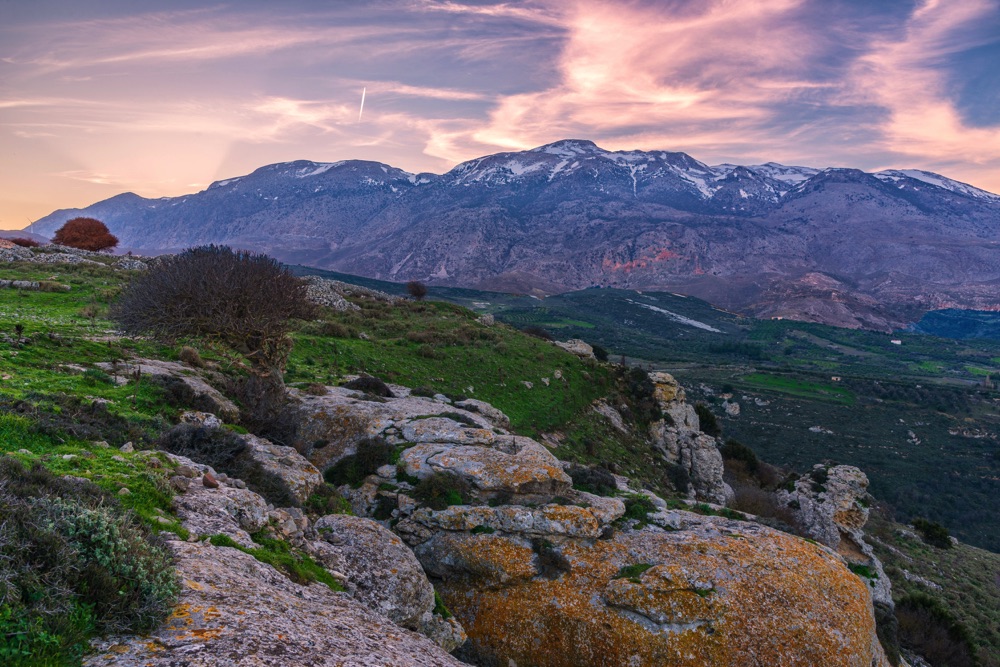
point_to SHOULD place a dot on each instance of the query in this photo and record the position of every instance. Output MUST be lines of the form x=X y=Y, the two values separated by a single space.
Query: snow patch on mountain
x=937 y=180
x=680 y=319
x=316 y=169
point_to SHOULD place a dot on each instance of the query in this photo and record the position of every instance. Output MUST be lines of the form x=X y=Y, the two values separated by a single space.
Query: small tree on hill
x=416 y=289
x=85 y=234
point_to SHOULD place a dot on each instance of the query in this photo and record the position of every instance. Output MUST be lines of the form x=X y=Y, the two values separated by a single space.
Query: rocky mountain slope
x=831 y=245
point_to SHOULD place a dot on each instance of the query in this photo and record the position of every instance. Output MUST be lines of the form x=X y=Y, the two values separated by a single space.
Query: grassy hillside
x=918 y=416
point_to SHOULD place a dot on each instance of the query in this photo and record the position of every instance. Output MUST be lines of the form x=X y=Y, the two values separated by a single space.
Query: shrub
x=243 y=300
x=633 y=572
x=325 y=500
x=335 y=330
x=596 y=480
x=638 y=506
x=372 y=453
x=191 y=357
x=85 y=234
x=927 y=628
x=600 y=353
x=678 y=477
x=369 y=385
x=24 y=242
x=537 y=332
x=416 y=289
x=441 y=490
x=425 y=391
x=708 y=421
x=72 y=563
x=734 y=450
x=933 y=533
x=640 y=394
x=316 y=389
x=227 y=452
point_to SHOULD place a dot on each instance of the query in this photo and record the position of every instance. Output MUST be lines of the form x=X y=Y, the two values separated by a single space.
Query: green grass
x=144 y=474
x=297 y=566
x=801 y=388
x=441 y=346
x=633 y=572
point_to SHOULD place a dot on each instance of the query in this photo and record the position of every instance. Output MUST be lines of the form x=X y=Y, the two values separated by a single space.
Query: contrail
x=362 y=109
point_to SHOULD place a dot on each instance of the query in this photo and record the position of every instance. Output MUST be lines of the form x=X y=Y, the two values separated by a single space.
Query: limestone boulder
x=830 y=504
x=513 y=466
x=330 y=426
x=545 y=521
x=492 y=414
x=235 y=611
x=224 y=510
x=578 y=347
x=385 y=574
x=285 y=463
x=680 y=440
x=716 y=592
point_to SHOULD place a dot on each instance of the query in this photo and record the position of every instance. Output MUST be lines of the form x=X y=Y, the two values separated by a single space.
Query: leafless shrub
x=241 y=299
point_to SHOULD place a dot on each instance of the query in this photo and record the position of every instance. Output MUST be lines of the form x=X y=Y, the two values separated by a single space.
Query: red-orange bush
x=85 y=234
x=24 y=242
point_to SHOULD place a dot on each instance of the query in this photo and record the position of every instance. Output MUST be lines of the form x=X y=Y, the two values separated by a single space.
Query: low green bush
x=708 y=421
x=734 y=450
x=372 y=453
x=638 y=507
x=593 y=479
x=441 y=490
x=633 y=572
x=73 y=563
x=933 y=533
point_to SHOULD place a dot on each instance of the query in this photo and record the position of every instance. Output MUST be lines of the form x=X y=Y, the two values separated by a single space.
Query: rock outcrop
x=679 y=438
x=295 y=472
x=383 y=574
x=536 y=572
x=235 y=611
x=716 y=592
x=578 y=347
x=330 y=426
x=831 y=505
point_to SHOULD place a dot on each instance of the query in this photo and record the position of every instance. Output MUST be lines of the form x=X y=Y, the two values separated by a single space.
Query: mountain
x=838 y=246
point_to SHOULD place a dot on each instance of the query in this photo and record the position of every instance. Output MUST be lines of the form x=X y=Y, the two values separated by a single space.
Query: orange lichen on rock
x=740 y=596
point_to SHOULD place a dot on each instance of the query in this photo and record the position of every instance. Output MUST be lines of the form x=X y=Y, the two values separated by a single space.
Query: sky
x=162 y=98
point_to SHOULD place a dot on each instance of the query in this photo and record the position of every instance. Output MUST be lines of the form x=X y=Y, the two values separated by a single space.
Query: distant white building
x=896 y=341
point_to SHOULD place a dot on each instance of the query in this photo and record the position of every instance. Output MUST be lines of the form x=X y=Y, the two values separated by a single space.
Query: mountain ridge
x=834 y=245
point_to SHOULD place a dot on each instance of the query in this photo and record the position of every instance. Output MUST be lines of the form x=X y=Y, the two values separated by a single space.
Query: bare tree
x=242 y=300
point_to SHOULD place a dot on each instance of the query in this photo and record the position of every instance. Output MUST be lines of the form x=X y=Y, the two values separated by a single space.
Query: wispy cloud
x=156 y=101
x=904 y=77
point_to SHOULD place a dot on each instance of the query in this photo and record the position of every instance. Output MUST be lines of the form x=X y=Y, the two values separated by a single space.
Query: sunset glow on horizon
x=102 y=98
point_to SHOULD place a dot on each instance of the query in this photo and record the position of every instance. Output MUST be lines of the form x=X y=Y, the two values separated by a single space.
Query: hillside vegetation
x=61 y=412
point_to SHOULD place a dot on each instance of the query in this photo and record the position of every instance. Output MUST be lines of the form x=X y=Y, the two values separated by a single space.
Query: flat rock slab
x=234 y=611
x=515 y=465
x=330 y=426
